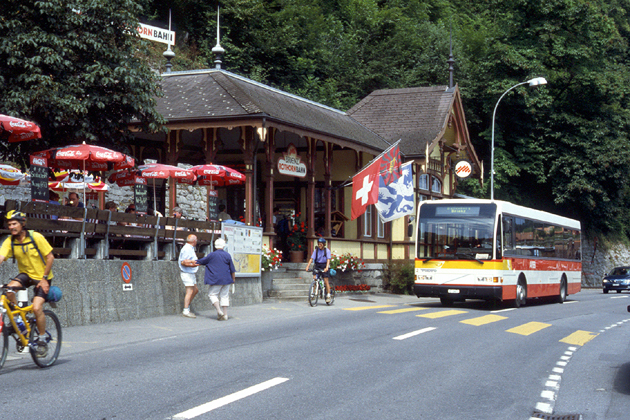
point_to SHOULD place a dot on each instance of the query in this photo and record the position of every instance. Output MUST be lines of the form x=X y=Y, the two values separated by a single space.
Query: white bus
x=494 y=250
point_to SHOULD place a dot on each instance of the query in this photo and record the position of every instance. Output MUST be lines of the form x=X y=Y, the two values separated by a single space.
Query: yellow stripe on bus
x=442 y=314
x=363 y=308
x=483 y=320
x=529 y=328
x=579 y=338
x=400 y=311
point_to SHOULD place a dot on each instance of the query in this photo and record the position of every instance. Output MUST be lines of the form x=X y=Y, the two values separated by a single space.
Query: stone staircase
x=291 y=282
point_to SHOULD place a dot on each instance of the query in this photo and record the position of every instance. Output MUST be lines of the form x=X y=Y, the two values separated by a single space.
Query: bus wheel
x=521 y=292
x=563 y=291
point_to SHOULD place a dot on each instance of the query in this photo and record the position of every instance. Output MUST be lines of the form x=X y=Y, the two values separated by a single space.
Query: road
x=368 y=356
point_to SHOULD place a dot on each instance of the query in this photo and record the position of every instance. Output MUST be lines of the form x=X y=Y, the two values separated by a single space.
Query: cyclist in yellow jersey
x=35 y=259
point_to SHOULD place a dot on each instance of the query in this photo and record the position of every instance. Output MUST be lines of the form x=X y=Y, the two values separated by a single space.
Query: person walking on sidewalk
x=321 y=256
x=187 y=257
x=220 y=274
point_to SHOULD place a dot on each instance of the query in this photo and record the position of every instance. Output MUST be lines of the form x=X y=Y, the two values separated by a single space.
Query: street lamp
x=533 y=82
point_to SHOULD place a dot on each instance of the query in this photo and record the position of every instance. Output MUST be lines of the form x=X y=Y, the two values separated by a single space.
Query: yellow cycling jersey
x=28 y=258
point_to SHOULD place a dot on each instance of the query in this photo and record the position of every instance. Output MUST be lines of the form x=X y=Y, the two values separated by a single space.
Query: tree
x=74 y=68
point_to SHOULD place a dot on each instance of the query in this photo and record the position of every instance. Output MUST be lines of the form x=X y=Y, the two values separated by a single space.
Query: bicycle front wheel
x=45 y=348
x=4 y=340
x=313 y=293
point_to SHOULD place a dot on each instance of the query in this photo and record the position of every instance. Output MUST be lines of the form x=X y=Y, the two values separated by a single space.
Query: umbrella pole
x=154 y=200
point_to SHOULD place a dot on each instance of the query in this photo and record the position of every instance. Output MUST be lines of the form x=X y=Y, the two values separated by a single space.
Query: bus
x=495 y=251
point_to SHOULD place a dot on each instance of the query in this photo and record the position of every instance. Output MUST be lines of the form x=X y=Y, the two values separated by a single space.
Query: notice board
x=213 y=205
x=244 y=244
x=140 y=198
x=39 y=179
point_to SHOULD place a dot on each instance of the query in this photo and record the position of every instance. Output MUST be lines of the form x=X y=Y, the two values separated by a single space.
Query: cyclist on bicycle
x=35 y=259
x=321 y=256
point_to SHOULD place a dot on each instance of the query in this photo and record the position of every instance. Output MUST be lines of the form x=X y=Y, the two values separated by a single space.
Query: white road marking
x=212 y=405
x=411 y=334
x=619 y=297
x=502 y=310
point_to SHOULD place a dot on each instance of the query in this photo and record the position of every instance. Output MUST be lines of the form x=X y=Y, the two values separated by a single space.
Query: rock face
x=598 y=260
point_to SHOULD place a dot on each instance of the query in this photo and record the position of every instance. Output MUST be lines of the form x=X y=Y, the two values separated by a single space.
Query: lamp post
x=533 y=82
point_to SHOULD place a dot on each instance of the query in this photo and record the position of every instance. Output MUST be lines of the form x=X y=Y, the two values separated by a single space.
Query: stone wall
x=599 y=260
x=93 y=290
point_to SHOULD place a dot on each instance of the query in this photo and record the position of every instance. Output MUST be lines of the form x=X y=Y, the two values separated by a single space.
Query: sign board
x=291 y=164
x=244 y=244
x=213 y=205
x=463 y=169
x=156 y=34
x=39 y=179
x=125 y=272
x=140 y=197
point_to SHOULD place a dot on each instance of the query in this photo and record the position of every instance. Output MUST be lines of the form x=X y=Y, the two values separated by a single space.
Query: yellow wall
x=343 y=247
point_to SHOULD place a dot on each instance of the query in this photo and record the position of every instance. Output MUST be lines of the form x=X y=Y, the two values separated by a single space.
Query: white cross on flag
x=364 y=189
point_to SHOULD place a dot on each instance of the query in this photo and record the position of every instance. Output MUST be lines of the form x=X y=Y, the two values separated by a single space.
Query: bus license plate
x=453 y=290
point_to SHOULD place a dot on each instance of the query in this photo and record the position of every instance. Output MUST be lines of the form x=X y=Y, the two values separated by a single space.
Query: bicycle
x=318 y=289
x=19 y=322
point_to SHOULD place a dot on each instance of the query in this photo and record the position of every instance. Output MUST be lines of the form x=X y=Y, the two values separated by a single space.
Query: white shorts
x=189 y=279
x=220 y=294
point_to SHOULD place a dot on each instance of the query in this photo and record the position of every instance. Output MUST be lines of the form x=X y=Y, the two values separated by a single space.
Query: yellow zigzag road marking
x=529 y=328
x=579 y=338
x=442 y=314
x=363 y=308
x=482 y=320
x=400 y=311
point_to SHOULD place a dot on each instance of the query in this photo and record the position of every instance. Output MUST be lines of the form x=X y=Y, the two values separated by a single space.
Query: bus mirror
x=410 y=226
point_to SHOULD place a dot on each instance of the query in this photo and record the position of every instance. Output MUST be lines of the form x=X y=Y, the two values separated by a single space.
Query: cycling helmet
x=16 y=215
x=322 y=240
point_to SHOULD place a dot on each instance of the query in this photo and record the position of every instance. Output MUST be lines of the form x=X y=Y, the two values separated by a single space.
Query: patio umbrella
x=127 y=178
x=161 y=171
x=86 y=157
x=217 y=175
x=14 y=129
x=10 y=175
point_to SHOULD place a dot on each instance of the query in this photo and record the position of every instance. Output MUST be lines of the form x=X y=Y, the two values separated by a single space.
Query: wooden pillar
x=328 y=160
x=270 y=149
x=247 y=146
x=310 y=193
x=172 y=156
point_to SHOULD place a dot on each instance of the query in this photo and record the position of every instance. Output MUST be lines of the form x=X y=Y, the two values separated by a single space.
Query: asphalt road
x=367 y=356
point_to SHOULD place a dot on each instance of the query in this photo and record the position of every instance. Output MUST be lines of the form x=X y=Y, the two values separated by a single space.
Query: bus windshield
x=456 y=231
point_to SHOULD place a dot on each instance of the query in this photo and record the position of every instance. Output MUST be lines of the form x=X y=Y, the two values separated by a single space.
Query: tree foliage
x=74 y=68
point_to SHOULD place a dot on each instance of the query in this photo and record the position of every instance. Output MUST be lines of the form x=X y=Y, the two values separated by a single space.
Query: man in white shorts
x=187 y=258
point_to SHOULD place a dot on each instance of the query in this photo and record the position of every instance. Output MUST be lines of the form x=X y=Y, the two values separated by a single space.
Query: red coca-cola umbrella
x=86 y=157
x=217 y=175
x=161 y=171
x=14 y=129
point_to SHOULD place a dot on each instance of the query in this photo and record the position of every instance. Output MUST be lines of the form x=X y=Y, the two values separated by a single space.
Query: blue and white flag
x=396 y=199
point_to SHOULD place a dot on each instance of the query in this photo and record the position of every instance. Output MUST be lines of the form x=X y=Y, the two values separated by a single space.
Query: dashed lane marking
x=414 y=333
x=363 y=308
x=442 y=314
x=212 y=405
x=529 y=328
x=483 y=320
x=579 y=338
x=400 y=311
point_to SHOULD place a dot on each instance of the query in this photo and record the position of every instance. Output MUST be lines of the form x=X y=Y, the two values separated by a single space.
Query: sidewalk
x=118 y=335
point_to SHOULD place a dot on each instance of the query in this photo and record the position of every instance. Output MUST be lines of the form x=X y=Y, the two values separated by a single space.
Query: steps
x=291 y=282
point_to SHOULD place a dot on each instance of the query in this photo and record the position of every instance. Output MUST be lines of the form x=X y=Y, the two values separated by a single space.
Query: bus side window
x=508 y=238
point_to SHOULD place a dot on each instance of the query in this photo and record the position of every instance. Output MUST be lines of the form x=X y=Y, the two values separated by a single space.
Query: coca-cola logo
x=182 y=174
x=106 y=155
x=65 y=153
x=20 y=124
x=155 y=174
x=39 y=161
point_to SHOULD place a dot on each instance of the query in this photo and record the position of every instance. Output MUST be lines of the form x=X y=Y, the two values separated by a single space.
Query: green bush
x=399 y=276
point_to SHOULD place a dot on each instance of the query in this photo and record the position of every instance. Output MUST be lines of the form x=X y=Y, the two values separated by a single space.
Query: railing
x=89 y=233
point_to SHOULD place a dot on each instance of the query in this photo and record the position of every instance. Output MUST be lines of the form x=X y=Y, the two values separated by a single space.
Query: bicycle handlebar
x=12 y=288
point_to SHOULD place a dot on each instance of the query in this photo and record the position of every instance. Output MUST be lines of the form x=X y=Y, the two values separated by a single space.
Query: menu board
x=213 y=205
x=140 y=197
x=39 y=179
x=244 y=244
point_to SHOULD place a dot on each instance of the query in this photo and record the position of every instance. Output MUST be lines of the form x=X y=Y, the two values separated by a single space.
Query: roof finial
x=169 y=54
x=451 y=62
x=218 y=50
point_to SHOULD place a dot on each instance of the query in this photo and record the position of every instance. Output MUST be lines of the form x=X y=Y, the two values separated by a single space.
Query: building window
x=436 y=186
x=367 y=221
x=423 y=182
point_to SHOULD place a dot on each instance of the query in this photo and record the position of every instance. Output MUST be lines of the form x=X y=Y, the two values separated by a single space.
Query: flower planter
x=296 y=256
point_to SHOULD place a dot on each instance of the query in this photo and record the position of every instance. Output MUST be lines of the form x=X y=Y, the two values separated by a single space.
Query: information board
x=140 y=198
x=39 y=179
x=244 y=244
x=213 y=205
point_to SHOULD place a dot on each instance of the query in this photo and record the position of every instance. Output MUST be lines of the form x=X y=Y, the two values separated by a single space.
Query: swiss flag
x=365 y=186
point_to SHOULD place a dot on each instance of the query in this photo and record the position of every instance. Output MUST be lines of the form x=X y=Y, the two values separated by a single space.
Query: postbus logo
x=463 y=169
